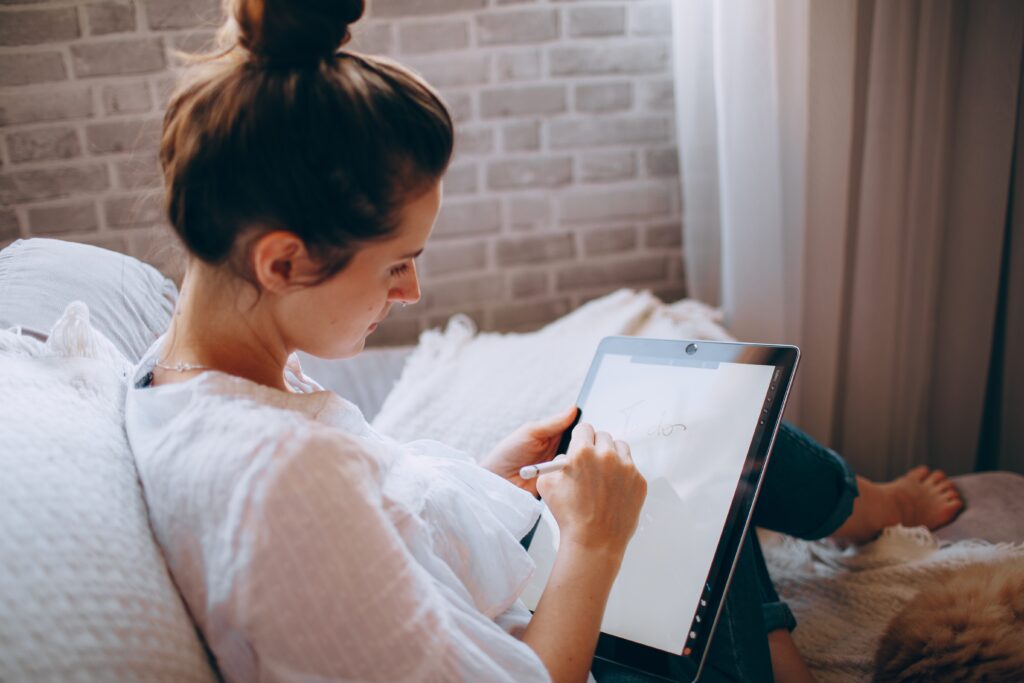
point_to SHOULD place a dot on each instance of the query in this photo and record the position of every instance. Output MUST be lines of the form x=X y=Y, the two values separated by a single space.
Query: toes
x=918 y=473
x=936 y=476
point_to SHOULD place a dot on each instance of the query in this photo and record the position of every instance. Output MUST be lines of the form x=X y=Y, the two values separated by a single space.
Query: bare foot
x=924 y=498
x=919 y=498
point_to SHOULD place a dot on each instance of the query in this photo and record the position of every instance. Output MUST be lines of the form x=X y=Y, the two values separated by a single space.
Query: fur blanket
x=844 y=598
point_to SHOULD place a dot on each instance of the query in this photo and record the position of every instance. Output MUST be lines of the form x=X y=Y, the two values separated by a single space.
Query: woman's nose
x=412 y=292
x=408 y=290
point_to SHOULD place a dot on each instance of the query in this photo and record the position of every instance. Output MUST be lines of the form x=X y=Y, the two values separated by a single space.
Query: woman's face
x=333 y=319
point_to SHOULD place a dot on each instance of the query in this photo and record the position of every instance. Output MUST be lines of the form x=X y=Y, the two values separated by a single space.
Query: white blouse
x=310 y=548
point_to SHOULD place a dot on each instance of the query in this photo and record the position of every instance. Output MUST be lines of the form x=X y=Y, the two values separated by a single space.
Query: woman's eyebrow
x=413 y=254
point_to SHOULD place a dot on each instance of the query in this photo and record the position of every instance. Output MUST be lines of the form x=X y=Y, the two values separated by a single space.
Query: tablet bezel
x=701 y=353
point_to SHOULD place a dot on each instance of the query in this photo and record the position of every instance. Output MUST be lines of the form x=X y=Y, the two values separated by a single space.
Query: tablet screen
x=690 y=423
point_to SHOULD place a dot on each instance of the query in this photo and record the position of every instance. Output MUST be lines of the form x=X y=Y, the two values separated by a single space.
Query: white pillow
x=84 y=591
x=130 y=302
x=469 y=390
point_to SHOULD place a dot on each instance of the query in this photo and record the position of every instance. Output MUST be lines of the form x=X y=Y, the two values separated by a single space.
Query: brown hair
x=283 y=130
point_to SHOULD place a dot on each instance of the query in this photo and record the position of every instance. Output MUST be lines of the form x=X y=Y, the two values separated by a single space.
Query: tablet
x=700 y=418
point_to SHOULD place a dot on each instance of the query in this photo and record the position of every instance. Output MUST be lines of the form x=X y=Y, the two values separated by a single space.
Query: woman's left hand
x=533 y=443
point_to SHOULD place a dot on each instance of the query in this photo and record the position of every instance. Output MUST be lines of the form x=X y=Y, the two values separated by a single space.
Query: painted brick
x=38 y=26
x=609 y=241
x=650 y=20
x=527 y=283
x=448 y=71
x=518 y=66
x=409 y=8
x=395 y=333
x=577 y=206
x=9 y=228
x=659 y=95
x=468 y=217
x=195 y=42
x=104 y=241
x=529 y=212
x=476 y=289
x=156 y=247
x=461 y=179
x=32 y=67
x=373 y=38
x=529 y=315
x=123 y=135
x=473 y=140
x=49 y=183
x=534 y=249
x=606 y=166
x=602 y=97
x=596 y=132
x=115 y=16
x=671 y=293
x=139 y=171
x=51 y=104
x=666 y=235
x=165 y=14
x=447 y=258
x=586 y=60
x=517 y=101
x=460 y=105
x=111 y=58
x=522 y=26
x=520 y=173
x=134 y=210
x=433 y=36
x=597 y=21
x=43 y=144
x=63 y=218
x=521 y=136
x=612 y=273
x=662 y=162
x=163 y=88
x=126 y=98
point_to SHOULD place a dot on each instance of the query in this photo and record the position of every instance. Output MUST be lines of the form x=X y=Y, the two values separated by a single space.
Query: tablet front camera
x=690 y=349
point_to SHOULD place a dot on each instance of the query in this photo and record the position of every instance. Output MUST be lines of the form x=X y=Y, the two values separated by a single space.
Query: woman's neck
x=220 y=323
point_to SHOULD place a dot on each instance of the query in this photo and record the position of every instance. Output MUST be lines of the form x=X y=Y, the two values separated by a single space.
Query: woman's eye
x=399 y=270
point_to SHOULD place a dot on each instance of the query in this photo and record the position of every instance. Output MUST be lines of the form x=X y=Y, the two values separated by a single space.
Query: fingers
x=623 y=451
x=582 y=438
x=604 y=444
x=554 y=425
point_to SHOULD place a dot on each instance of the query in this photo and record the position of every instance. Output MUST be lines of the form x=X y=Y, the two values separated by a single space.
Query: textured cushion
x=365 y=379
x=130 y=302
x=84 y=592
x=469 y=390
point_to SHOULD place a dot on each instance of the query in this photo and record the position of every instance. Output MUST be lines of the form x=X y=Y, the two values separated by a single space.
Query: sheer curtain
x=846 y=171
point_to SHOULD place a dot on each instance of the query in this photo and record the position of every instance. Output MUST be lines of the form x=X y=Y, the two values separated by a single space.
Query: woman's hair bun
x=294 y=32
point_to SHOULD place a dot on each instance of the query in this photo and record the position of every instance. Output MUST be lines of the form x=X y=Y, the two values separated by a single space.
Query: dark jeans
x=808 y=492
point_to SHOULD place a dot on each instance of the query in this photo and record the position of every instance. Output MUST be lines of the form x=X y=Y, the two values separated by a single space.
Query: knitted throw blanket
x=844 y=598
x=469 y=390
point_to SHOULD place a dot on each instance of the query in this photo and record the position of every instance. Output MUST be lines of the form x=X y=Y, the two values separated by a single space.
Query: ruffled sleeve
x=334 y=580
x=475 y=520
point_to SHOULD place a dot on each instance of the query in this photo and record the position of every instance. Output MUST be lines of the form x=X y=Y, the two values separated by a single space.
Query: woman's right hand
x=596 y=498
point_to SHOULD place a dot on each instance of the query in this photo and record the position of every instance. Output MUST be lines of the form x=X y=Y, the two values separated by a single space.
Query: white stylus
x=531 y=471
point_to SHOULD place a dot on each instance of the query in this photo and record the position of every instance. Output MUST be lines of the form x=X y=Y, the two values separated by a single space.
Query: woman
x=304 y=181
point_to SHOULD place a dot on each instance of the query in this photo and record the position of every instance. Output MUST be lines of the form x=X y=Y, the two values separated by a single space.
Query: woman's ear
x=280 y=261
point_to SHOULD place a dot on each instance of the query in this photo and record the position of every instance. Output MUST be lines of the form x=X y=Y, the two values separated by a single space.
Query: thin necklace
x=183 y=367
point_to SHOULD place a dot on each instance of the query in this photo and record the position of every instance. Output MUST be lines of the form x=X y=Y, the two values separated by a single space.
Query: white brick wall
x=564 y=184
